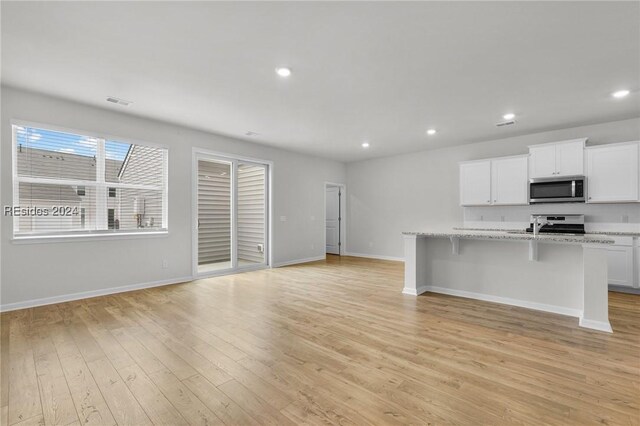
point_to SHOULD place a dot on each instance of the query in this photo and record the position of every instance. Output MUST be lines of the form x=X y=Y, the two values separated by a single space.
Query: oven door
x=554 y=190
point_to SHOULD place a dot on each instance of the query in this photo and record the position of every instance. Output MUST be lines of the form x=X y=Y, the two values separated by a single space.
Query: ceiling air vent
x=506 y=123
x=250 y=133
x=118 y=101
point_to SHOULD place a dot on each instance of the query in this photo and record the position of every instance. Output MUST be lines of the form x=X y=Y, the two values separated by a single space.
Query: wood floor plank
x=328 y=342
x=225 y=408
x=191 y=408
x=154 y=403
x=124 y=406
x=57 y=405
x=258 y=408
x=88 y=400
x=24 y=393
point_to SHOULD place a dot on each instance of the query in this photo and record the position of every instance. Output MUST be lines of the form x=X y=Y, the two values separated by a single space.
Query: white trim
x=596 y=325
x=415 y=292
x=230 y=271
x=95 y=236
x=298 y=261
x=583 y=140
x=89 y=294
x=505 y=300
x=375 y=256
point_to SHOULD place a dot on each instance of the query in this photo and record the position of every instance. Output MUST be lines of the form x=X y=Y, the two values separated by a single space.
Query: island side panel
x=415 y=268
x=500 y=271
x=596 y=292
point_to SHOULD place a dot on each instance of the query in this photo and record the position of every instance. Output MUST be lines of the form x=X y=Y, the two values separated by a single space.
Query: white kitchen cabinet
x=496 y=181
x=542 y=161
x=620 y=260
x=475 y=183
x=557 y=159
x=509 y=180
x=612 y=173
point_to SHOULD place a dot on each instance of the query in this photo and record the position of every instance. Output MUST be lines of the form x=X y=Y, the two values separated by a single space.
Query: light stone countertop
x=612 y=233
x=517 y=235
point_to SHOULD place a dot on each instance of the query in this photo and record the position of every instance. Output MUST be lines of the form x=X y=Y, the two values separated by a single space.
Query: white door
x=570 y=159
x=475 y=183
x=333 y=219
x=542 y=161
x=509 y=180
x=612 y=173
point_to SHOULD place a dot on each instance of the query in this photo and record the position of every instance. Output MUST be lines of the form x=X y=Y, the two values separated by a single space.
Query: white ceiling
x=382 y=72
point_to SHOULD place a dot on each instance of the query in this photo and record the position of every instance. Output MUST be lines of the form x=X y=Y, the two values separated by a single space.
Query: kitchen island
x=563 y=274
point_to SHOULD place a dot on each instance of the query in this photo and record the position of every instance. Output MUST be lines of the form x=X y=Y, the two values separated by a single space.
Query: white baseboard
x=88 y=294
x=297 y=261
x=504 y=300
x=421 y=289
x=596 y=325
x=376 y=256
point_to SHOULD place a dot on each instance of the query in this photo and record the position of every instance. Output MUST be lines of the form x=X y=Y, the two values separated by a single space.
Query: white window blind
x=66 y=183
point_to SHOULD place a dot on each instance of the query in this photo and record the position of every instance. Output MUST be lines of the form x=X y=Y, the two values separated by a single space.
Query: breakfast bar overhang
x=563 y=274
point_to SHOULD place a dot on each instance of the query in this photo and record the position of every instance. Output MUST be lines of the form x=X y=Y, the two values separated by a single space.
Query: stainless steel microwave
x=567 y=189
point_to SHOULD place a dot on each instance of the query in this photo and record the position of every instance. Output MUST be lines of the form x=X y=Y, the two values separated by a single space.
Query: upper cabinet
x=557 y=159
x=498 y=181
x=475 y=183
x=509 y=180
x=612 y=173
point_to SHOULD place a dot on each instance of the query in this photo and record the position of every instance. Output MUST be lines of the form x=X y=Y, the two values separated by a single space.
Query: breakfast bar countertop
x=514 y=235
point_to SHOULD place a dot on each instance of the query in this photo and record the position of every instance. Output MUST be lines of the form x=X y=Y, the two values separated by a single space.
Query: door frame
x=343 y=218
x=198 y=153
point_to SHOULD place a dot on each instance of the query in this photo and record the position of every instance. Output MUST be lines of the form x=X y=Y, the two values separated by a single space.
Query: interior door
x=214 y=221
x=333 y=219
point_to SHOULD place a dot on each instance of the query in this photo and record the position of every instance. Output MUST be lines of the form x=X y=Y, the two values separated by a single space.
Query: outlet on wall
x=313 y=246
x=165 y=264
x=283 y=218
x=370 y=243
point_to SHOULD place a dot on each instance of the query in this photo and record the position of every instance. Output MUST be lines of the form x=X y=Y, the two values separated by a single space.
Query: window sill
x=38 y=239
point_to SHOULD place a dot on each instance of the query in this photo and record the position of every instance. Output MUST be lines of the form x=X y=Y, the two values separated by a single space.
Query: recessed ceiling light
x=620 y=94
x=365 y=144
x=283 y=71
x=250 y=133
x=509 y=116
x=431 y=131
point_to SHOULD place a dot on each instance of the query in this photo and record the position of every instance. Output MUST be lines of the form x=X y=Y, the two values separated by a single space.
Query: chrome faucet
x=537 y=224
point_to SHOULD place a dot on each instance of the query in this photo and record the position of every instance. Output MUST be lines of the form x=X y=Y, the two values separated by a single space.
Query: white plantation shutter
x=78 y=180
x=214 y=212
x=251 y=213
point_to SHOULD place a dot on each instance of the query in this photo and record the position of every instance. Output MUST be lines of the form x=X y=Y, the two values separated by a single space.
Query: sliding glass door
x=231 y=215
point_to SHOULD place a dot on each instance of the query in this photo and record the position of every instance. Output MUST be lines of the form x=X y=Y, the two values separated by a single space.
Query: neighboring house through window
x=87 y=184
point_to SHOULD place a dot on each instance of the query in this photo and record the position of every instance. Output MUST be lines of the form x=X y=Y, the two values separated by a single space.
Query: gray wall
x=34 y=271
x=420 y=191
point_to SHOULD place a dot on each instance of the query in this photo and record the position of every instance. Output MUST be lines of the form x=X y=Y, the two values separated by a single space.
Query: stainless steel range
x=557 y=224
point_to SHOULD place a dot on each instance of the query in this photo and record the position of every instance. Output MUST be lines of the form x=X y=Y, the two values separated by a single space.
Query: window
x=68 y=184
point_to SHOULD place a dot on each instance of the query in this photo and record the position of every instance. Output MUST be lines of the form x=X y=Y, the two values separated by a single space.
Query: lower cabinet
x=621 y=258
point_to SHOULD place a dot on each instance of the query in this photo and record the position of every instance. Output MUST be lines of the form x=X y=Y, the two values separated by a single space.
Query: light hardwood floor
x=325 y=342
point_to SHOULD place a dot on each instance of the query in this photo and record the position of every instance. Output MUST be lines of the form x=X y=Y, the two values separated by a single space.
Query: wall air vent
x=506 y=123
x=118 y=101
